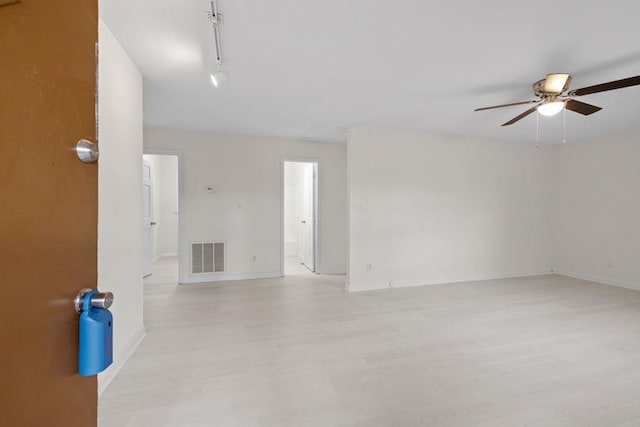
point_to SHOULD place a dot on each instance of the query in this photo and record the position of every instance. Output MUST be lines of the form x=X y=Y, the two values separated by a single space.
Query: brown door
x=48 y=208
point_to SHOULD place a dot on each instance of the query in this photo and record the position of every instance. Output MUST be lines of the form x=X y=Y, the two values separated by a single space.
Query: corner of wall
x=120 y=192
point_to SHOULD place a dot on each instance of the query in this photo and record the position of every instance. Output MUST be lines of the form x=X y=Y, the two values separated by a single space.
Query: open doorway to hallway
x=300 y=216
x=161 y=214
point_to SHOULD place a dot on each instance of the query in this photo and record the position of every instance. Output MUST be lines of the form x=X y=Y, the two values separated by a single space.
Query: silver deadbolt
x=87 y=151
x=99 y=300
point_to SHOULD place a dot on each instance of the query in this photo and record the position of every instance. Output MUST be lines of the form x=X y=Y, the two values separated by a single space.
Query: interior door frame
x=181 y=225
x=316 y=220
x=149 y=272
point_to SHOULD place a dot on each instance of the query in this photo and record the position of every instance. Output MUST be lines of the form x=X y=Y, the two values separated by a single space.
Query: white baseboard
x=603 y=280
x=164 y=255
x=226 y=277
x=378 y=286
x=105 y=378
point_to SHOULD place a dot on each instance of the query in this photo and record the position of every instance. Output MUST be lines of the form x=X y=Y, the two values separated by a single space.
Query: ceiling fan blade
x=521 y=116
x=603 y=87
x=556 y=83
x=505 y=105
x=581 y=107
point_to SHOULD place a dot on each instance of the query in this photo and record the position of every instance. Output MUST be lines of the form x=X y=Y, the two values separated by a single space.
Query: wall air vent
x=207 y=257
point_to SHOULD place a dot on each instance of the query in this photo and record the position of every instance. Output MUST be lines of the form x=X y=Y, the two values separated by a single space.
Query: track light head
x=219 y=78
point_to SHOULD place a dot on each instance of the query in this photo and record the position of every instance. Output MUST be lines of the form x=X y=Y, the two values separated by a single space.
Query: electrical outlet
x=610 y=263
x=253 y=258
x=369 y=267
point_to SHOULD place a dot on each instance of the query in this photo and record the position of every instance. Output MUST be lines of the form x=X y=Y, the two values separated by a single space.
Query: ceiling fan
x=553 y=96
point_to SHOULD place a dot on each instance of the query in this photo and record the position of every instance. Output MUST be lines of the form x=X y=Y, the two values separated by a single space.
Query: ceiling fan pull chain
x=537 y=129
x=564 y=126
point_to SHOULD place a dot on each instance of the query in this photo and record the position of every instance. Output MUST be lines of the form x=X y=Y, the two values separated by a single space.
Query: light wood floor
x=294 y=267
x=299 y=351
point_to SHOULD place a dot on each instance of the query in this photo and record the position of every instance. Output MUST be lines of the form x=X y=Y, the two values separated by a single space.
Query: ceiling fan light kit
x=551 y=108
x=553 y=83
x=552 y=96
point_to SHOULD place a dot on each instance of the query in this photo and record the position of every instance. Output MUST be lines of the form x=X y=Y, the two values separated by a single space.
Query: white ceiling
x=412 y=64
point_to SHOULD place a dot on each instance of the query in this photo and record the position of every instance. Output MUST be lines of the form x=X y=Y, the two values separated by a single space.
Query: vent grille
x=326 y=134
x=207 y=257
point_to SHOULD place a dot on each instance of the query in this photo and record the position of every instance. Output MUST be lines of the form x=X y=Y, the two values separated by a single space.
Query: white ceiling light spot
x=183 y=53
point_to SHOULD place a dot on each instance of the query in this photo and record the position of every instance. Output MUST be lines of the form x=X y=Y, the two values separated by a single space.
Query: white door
x=147 y=220
x=308 y=216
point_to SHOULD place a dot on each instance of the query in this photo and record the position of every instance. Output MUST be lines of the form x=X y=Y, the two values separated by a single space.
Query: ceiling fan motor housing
x=538 y=89
x=551 y=86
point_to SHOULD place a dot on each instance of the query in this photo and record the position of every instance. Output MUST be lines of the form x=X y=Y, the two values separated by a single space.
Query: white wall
x=120 y=194
x=245 y=210
x=597 y=210
x=164 y=188
x=427 y=209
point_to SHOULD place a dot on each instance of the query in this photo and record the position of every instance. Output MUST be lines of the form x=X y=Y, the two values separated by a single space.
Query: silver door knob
x=153 y=223
x=304 y=222
x=99 y=300
x=87 y=151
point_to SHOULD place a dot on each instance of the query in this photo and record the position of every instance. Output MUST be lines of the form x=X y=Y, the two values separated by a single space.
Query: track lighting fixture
x=219 y=77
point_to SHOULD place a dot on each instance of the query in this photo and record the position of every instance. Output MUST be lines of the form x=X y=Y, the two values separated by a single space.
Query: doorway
x=161 y=191
x=300 y=207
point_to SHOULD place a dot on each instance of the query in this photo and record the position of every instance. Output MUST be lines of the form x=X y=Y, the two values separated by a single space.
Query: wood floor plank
x=300 y=351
